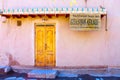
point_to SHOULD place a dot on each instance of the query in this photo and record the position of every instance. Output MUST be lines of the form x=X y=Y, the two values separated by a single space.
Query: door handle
x=45 y=46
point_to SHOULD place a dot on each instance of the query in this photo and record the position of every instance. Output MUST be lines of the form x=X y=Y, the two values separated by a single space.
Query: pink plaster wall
x=73 y=48
x=16 y=42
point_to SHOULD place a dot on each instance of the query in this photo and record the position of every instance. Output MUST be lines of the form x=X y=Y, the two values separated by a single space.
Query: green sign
x=85 y=21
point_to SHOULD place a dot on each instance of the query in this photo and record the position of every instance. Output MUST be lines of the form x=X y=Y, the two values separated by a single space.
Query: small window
x=19 y=23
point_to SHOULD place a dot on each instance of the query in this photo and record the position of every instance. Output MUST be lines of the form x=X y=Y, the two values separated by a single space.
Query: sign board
x=85 y=21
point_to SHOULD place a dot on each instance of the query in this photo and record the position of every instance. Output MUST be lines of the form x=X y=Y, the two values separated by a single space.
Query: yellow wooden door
x=50 y=45
x=40 y=51
x=45 y=45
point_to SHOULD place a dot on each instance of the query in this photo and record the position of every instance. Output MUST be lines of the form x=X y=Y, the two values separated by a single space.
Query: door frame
x=54 y=24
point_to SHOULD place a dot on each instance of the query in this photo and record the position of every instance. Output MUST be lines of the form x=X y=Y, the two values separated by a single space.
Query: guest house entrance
x=45 y=45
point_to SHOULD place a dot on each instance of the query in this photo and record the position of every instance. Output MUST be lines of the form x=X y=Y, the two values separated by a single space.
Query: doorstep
x=42 y=73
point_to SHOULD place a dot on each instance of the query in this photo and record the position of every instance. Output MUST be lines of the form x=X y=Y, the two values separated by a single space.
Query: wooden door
x=45 y=45
x=50 y=45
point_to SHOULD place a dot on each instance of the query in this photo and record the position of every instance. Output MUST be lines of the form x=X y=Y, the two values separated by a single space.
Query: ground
x=23 y=76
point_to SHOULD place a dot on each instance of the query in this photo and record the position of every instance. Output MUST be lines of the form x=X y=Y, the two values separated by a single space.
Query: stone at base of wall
x=5 y=69
x=99 y=71
x=42 y=73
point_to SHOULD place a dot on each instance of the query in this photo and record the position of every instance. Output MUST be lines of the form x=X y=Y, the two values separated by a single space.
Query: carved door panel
x=45 y=45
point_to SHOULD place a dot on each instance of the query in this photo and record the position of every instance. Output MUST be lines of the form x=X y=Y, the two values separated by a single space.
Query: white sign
x=85 y=21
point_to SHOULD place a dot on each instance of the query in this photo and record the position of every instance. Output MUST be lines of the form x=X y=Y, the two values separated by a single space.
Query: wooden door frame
x=54 y=24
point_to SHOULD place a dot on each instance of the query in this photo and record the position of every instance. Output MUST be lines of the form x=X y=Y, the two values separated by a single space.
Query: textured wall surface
x=73 y=48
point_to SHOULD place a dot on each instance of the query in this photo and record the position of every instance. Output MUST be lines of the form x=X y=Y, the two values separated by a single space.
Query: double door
x=45 y=45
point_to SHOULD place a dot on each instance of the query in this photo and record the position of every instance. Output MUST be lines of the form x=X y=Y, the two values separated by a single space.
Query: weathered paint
x=73 y=48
